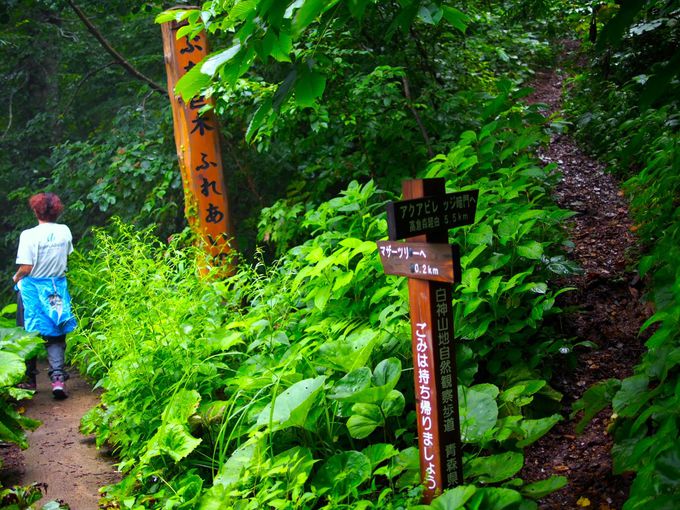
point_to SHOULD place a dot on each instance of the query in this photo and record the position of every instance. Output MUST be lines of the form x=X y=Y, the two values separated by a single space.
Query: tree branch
x=117 y=56
x=423 y=131
x=86 y=77
x=11 y=100
x=9 y=122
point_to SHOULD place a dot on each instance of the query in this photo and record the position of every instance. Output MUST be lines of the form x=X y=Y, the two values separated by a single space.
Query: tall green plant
x=15 y=347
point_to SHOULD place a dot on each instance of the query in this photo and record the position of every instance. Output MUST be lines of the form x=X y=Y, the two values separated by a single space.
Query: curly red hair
x=46 y=206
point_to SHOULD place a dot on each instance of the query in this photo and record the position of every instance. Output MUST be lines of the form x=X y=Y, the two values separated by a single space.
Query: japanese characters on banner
x=198 y=146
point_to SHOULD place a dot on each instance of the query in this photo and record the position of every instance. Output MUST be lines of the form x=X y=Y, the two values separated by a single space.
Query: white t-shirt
x=46 y=248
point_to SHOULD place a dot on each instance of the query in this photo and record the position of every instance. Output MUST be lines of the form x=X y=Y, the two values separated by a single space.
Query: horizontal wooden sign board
x=409 y=218
x=423 y=261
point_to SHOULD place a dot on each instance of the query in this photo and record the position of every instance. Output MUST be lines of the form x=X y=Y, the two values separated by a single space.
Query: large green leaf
x=507 y=228
x=192 y=83
x=351 y=352
x=542 y=488
x=182 y=405
x=596 y=398
x=393 y=404
x=263 y=114
x=495 y=468
x=309 y=86
x=342 y=473
x=532 y=250
x=171 y=439
x=295 y=463
x=478 y=413
x=19 y=342
x=455 y=498
x=668 y=468
x=492 y=498
x=387 y=373
x=12 y=369
x=379 y=452
x=458 y=19
x=356 y=386
x=291 y=407
x=13 y=424
x=364 y=420
x=349 y=386
x=535 y=429
x=634 y=393
x=230 y=472
x=309 y=11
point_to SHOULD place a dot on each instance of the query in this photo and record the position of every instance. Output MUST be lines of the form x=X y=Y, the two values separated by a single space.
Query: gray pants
x=55 y=345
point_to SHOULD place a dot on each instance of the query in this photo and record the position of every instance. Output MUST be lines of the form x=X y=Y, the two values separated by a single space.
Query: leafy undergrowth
x=15 y=346
x=289 y=385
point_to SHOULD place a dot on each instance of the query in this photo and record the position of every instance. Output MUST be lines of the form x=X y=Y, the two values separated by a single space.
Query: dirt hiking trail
x=58 y=455
x=605 y=308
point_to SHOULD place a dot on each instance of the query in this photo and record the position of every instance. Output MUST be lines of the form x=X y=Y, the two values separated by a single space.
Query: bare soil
x=58 y=455
x=606 y=309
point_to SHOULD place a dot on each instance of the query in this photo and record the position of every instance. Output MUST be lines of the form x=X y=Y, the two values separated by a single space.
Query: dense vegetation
x=288 y=384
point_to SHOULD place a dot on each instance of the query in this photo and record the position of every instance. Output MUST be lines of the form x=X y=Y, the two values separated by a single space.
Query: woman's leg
x=56 y=347
x=31 y=364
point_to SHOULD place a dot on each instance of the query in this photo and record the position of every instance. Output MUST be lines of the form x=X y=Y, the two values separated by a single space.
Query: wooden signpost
x=198 y=147
x=431 y=265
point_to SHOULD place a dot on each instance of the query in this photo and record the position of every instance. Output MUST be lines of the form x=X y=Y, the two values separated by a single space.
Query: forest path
x=604 y=309
x=58 y=455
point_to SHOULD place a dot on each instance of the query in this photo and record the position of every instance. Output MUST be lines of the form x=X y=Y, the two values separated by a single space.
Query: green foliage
x=512 y=249
x=212 y=387
x=129 y=172
x=15 y=347
x=22 y=498
x=63 y=97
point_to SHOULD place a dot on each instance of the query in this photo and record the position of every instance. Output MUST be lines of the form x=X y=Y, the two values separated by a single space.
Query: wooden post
x=197 y=142
x=424 y=218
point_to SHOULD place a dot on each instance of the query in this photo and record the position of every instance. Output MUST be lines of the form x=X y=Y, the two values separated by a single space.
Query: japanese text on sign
x=446 y=377
x=401 y=252
x=410 y=218
x=424 y=392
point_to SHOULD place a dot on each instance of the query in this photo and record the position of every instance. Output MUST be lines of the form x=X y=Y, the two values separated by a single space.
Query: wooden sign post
x=198 y=147
x=432 y=266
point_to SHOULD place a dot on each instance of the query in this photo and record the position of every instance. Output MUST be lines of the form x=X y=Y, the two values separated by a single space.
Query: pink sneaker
x=59 y=389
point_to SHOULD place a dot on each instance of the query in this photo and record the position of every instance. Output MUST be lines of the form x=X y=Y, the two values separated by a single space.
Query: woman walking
x=43 y=294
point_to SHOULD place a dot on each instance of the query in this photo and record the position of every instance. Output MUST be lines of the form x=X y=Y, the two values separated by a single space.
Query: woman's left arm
x=24 y=270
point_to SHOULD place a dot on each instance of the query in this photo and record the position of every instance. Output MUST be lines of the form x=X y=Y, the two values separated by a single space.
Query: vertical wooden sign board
x=424 y=218
x=198 y=146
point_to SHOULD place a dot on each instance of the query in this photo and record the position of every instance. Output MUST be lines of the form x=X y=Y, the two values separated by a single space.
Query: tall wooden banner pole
x=431 y=265
x=434 y=366
x=198 y=148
